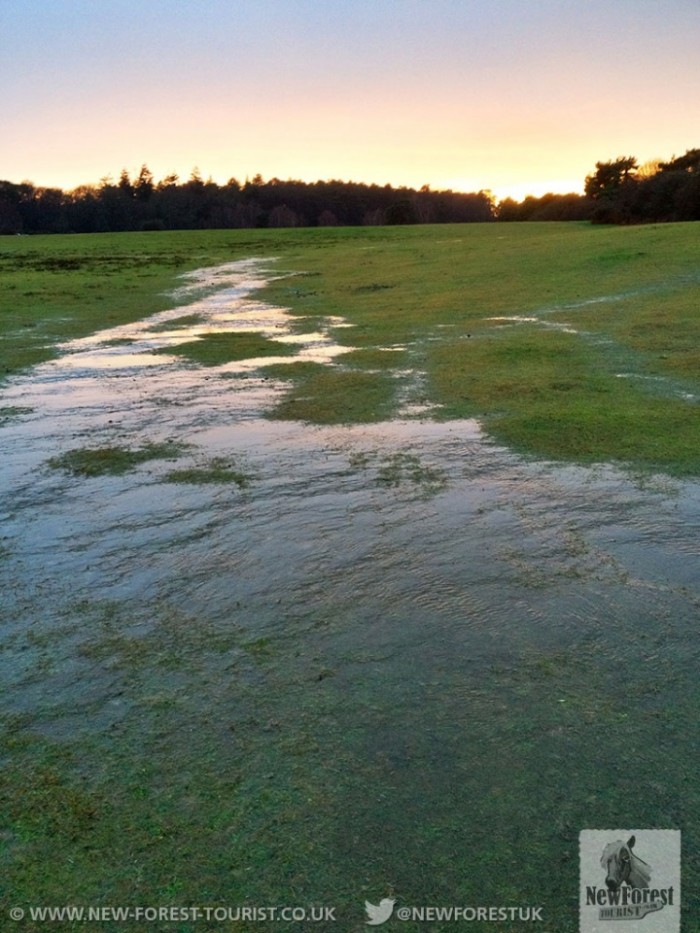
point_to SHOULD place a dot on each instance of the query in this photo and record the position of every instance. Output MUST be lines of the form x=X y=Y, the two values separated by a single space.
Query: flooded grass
x=260 y=791
x=186 y=320
x=217 y=349
x=13 y=411
x=400 y=469
x=481 y=310
x=112 y=461
x=328 y=658
x=217 y=470
x=60 y=288
x=407 y=468
x=438 y=292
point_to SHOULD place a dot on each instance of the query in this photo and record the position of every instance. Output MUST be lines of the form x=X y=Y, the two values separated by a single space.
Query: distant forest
x=619 y=191
x=624 y=192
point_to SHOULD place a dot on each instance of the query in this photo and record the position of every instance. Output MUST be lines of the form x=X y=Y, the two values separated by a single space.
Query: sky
x=514 y=96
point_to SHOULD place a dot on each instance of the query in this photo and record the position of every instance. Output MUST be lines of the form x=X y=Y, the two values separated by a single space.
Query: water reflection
x=221 y=305
x=436 y=635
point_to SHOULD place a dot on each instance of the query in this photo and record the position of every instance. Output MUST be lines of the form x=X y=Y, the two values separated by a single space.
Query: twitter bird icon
x=379 y=914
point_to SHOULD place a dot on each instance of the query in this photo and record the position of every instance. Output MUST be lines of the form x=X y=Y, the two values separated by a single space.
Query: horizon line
x=516 y=191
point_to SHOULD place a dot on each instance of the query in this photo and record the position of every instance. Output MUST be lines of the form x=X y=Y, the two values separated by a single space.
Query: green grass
x=216 y=763
x=56 y=288
x=375 y=358
x=186 y=320
x=217 y=470
x=631 y=293
x=217 y=349
x=236 y=770
x=111 y=461
x=334 y=396
x=297 y=371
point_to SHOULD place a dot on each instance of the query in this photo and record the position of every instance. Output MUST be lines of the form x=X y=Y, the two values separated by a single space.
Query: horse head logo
x=623 y=866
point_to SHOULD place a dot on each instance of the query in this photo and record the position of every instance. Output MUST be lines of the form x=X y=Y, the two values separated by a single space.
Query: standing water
x=331 y=664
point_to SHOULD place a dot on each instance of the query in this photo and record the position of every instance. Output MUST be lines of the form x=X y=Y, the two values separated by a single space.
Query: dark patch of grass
x=660 y=434
x=300 y=370
x=401 y=468
x=338 y=397
x=187 y=320
x=13 y=411
x=119 y=342
x=552 y=395
x=112 y=461
x=217 y=470
x=373 y=287
x=217 y=349
x=259 y=647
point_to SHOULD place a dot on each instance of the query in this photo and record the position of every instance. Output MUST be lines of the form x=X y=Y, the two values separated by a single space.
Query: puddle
x=221 y=304
x=308 y=502
x=400 y=577
x=111 y=359
x=662 y=385
x=504 y=320
x=514 y=318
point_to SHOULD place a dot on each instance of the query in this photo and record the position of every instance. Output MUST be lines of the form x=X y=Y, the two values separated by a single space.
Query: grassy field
x=602 y=365
x=62 y=287
x=600 y=369
x=323 y=750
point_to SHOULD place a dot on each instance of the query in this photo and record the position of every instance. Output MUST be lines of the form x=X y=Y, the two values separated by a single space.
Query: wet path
x=389 y=589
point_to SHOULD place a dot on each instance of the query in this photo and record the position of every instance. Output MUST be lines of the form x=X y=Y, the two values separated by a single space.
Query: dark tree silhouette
x=609 y=176
x=143 y=186
x=615 y=193
x=663 y=191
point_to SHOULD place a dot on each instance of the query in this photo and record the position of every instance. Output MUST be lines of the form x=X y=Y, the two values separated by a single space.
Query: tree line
x=623 y=192
x=618 y=191
x=141 y=203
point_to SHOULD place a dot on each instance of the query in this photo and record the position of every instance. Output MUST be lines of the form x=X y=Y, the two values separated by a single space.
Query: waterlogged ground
x=251 y=662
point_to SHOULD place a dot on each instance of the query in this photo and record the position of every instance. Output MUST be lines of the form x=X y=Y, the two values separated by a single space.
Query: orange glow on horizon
x=507 y=187
x=513 y=98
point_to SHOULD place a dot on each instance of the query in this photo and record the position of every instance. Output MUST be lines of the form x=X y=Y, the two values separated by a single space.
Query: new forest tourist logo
x=630 y=876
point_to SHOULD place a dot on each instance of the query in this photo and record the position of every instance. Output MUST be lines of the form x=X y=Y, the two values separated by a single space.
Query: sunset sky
x=517 y=96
